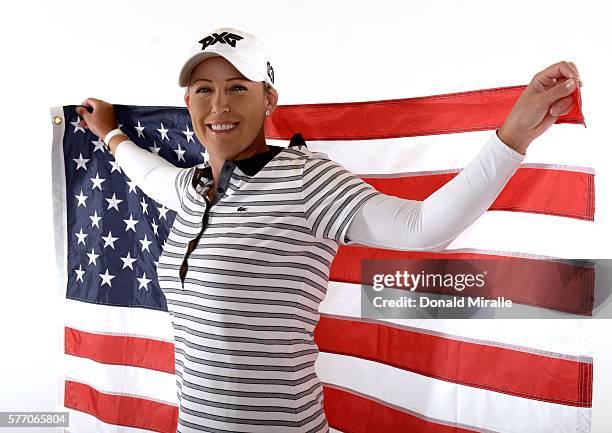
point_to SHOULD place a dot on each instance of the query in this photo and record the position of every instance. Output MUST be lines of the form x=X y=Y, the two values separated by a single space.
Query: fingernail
x=569 y=83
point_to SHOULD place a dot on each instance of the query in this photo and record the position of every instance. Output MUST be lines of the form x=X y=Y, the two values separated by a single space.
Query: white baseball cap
x=241 y=49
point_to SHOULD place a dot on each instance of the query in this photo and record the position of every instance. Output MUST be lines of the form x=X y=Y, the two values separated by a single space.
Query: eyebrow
x=229 y=79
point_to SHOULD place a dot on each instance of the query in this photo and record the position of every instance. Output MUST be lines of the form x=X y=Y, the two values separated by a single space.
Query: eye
x=237 y=87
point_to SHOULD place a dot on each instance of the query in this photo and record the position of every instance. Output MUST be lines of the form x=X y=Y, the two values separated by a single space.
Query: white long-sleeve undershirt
x=383 y=221
x=430 y=225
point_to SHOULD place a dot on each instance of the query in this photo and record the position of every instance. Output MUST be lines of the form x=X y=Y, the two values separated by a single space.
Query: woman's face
x=219 y=93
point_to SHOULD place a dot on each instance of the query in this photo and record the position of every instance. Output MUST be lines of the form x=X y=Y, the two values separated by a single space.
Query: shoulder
x=198 y=176
x=303 y=155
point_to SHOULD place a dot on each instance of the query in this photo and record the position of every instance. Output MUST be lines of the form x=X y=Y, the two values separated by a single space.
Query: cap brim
x=248 y=72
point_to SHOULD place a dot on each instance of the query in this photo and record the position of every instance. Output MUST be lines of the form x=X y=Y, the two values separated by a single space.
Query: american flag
x=384 y=375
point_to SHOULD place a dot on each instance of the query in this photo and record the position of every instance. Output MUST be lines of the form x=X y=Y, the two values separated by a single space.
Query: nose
x=219 y=102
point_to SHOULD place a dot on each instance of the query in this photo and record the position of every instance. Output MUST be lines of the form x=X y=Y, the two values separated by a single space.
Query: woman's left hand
x=547 y=97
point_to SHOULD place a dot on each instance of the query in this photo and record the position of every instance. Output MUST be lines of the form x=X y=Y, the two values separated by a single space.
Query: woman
x=247 y=261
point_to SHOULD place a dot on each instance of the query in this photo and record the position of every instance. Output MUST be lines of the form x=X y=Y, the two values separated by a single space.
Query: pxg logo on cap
x=224 y=38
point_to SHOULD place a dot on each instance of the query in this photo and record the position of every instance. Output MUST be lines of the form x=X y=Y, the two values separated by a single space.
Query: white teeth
x=224 y=127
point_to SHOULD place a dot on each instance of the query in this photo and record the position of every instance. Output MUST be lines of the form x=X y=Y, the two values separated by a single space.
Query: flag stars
x=188 y=134
x=95 y=219
x=127 y=261
x=113 y=202
x=81 y=198
x=155 y=227
x=144 y=281
x=97 y=182
x=140 y=128
x=130 y=224
x=132 y=186
x=106 y=278
x=76 y=125
x=109 y=240
x=162 y=212
x=81 y=162
x=79 y=273
x=81 y=236
x=164 y=132
x=92 y=257
x=179 y=153
x=144 y=205
x=98 y=145
x=115 y=166
x=145 y=243
x=155 y=149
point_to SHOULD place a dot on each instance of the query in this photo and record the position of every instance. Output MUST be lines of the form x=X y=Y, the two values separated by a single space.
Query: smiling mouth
x=225 y=128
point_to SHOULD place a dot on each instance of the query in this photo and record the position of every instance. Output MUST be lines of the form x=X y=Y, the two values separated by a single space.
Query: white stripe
x=529 y=233
x=113 y=320
x=122 y=380
x=439 y=399
x=445 y=151
x=554 y=337
x=558 y=167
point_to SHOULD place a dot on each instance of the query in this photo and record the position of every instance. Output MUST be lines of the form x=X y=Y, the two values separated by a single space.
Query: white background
x=129 y=52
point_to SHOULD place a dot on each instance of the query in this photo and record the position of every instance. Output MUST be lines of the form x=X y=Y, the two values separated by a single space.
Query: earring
x=267 y=113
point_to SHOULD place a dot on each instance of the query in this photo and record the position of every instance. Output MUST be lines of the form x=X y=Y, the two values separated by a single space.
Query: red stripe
x=475 y=110
x=540 y=283
x=121 y=409
x=352 y=413
x=532 y=190
x=509 y=371
x=120 y=350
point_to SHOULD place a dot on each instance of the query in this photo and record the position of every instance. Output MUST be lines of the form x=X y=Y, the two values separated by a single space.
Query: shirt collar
x=251 y=165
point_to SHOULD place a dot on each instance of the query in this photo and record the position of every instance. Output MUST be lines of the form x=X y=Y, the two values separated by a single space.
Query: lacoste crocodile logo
x=241 y=209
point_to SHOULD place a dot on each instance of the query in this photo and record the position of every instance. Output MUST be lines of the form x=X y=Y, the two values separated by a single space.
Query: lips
x=226 y=130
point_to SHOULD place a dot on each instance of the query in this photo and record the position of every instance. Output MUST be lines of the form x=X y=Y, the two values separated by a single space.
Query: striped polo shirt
x=243 y=275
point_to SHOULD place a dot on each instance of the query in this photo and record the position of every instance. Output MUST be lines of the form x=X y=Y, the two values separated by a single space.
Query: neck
x=216 y=161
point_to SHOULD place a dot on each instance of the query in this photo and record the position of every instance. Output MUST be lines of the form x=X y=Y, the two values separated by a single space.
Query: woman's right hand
x=101 y=121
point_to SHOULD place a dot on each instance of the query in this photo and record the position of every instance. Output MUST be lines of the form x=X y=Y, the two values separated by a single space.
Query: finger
x=572 y=65
x=561 y=105
x=575 y=69
x=568 y=109
x=564 y=88
x=82 y=111
x=90 y=102
x=561 y=70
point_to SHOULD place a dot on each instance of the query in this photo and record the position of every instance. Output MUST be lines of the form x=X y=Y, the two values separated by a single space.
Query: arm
x=153 y=174
x=391 y=222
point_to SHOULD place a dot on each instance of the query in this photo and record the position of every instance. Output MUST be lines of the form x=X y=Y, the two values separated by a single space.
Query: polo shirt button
x=227 y=167
x=220 y=190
